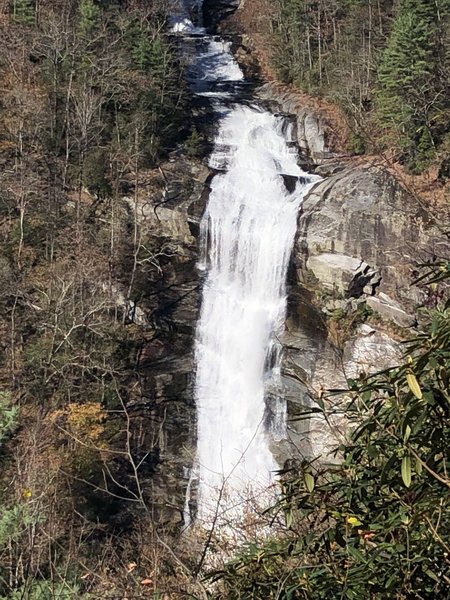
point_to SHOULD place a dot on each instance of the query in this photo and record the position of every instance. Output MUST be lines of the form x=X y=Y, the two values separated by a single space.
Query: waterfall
x=182 y=21
x=246 y=238
x=247 y=234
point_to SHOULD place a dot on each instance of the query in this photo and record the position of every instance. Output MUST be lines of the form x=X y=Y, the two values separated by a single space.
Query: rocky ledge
x=316 y=134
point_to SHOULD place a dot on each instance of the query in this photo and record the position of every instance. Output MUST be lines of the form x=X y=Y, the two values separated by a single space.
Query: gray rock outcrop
x=343 y=274
x=368 y=352
x=313 y=132
x=391 y=310
x=362 y=215
x=361 y=237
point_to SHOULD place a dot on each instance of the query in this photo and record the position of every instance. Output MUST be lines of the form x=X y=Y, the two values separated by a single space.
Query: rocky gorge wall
x=167 y=314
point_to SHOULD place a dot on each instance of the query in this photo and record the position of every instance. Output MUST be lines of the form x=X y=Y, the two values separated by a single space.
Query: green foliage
x=385 y=63
x=147 y=107
x=14 y=521
x=9 y=416
x=195 y=144
x=89 y=19
x=149 y=50
x=377 y=524
x=297 y=51
x=444 y=169
x=49 y=590
x=410 y=82
x=357 y=144
x=24 y=11
x=95 y=173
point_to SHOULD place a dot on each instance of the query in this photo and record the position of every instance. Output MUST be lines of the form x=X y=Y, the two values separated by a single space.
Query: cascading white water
x=247 y=236
x=181 y=17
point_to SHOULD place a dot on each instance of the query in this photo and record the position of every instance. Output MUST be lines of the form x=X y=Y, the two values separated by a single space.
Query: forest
x=385 y=63
x=95 y=112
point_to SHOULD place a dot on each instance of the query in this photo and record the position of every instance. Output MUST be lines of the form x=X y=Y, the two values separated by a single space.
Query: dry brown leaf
x=131 y=567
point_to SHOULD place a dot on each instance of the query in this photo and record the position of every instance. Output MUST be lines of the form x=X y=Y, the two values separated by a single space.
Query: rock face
x=314 y=133
x=313 y=364
x=345 y=275
x=362 y=215
x=368 y=351
x=361 y=236
x=215 y=11
x=389 y=309
x=170 y=305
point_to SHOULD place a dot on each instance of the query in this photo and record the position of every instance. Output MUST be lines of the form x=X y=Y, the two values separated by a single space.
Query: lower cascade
x=247 y=234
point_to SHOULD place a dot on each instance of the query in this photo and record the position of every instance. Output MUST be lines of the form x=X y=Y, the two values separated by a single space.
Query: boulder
x=346 y=275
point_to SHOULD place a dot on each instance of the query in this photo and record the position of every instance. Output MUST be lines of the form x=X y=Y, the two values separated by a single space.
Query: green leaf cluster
x=9 y=416
x=89 y=18
x=14 y=521
x=49 y=590
x=24 y=11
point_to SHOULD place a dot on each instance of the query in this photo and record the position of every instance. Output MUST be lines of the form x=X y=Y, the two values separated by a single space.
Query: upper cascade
x=215 y=73
x=182 y=17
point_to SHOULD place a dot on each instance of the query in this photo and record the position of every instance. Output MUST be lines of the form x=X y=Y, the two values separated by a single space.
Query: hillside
x=335 y=56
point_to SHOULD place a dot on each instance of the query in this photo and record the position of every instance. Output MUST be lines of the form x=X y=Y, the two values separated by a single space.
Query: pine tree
x=141 y=49
x=407 y=78
x=24 y=11
x=89 y=18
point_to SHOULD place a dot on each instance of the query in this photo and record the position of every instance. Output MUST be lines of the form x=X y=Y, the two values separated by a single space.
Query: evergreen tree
x=24 y=11
x=408 y=80
x=89 y=18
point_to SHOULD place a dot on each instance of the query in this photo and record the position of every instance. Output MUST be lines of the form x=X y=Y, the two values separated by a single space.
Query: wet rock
x=303 y=341
x=290 y=182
